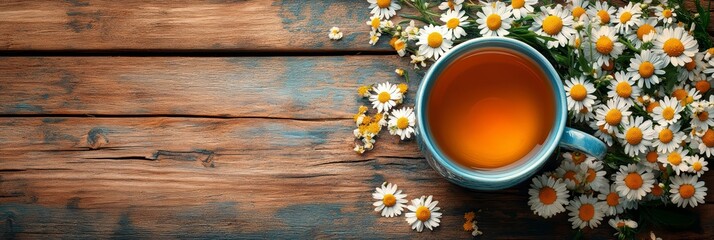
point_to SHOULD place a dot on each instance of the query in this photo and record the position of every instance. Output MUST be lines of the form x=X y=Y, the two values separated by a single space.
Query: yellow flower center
x=687 y=100
x=552 y=25
x=625 y=17
x=570 y=175
x=402 y=123
x=389 y=200
x=591 y=175
x=434 y=40
x=516 y=4
x=383 y=97
x=666 y=135
x=710 y=51
x=399 y=45
x=403 y=87
x=578 y=92
x=686 y=191
x=613 y=199
x=451 y=4
x=375 y=22
x=674 y=158
x=646 y=69
x=667 y=13
x=578 y=157
x=609 y=65
x=690 y=65
x=362 y=90
x=679 y=94
x=613 y=117
x=577 y=42
x=697 y=166
x=384 y=3
x=623 y=89
x=547 y=195
x=586 y=212
x=708 y=138
x=602 y=129
x=604 y=16
x=644 y=30
x=657 y=190
x=633 y=181
x=604 y=45
x=703 y=116
x=373 y=127
x=652 y=106
x=702 y=86
x=652 y=156
x=668 y=113
x=673 y=47
x=633 y=136
x=493 y=22
x=423 y=213
x=577 y=12
x=453 y=23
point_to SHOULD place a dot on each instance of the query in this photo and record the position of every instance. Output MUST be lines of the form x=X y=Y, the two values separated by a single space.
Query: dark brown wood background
x=218 y=119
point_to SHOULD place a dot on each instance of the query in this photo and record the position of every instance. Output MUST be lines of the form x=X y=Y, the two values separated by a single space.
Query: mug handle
x=574 y=139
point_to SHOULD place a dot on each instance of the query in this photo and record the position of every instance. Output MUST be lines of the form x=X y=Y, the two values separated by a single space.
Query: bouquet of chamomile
x=637 y=76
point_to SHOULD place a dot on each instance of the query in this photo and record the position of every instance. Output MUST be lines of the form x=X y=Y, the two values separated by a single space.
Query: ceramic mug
x=494 y=179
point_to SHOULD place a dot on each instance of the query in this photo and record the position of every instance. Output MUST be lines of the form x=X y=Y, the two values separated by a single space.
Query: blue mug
x=494 y=179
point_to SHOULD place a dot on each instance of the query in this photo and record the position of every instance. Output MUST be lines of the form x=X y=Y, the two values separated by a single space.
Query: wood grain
x=279 y=87
x=276 y=178
x=243 y=25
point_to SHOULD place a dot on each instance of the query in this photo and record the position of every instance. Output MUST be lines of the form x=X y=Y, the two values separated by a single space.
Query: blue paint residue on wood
x=26 y=108
x=18 y=218
x=126 y=229
x=326 y=219
x=53 y=120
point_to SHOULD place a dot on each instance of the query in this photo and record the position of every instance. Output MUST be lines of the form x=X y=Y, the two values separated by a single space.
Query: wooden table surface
x=219 y=119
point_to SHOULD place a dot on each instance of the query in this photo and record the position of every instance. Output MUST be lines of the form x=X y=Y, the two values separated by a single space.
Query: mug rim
x=511 y=175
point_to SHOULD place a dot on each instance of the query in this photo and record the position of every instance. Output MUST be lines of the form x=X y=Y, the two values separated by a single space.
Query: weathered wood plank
x=280 y=87
x=280 y=25
x=276 y=178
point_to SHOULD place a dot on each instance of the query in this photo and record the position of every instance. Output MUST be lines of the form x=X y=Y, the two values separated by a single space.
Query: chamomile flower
x=667 y=138
x=454 y=5
x=677 y=159
x=624 y=88
x=335 y=33
x=646 y=32
x=548 y=196
x=646 y=67
x=584 y=211
x=697 y=165
x=706 y=143
x=613 y=115
x=604 y=45
x=633 y=181
x=418 y=60
x=637 y=136
x=390 y=200
x=494 y=21
x=579 y=93
x=375 y=23
x=402 y=123
x=676 y=45
x=385 y=96
x=602 y=133
x=665 y=14
x=423 y=213
x=602 y=12
x=577 y=157
x=701 y=116
x=554 y=22
x=570 y=174
x=667 y=112
x=578 y=9
x=433 y=41
x=521 y=8
x=650 y=159
x=628 y=17
x=594 y=175
x=384 y=9
x=611 y=202
x=455 y=22
x=585 y=114
x=412 y=31
x=620 y=224
x=692 y=69
x=374 y=37
x=702 y=83
x=687 y=190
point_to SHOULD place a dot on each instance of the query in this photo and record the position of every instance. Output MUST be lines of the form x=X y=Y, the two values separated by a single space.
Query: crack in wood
x=205 y=157
x=345 y=161
x=5 y=115
x=299 y=176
